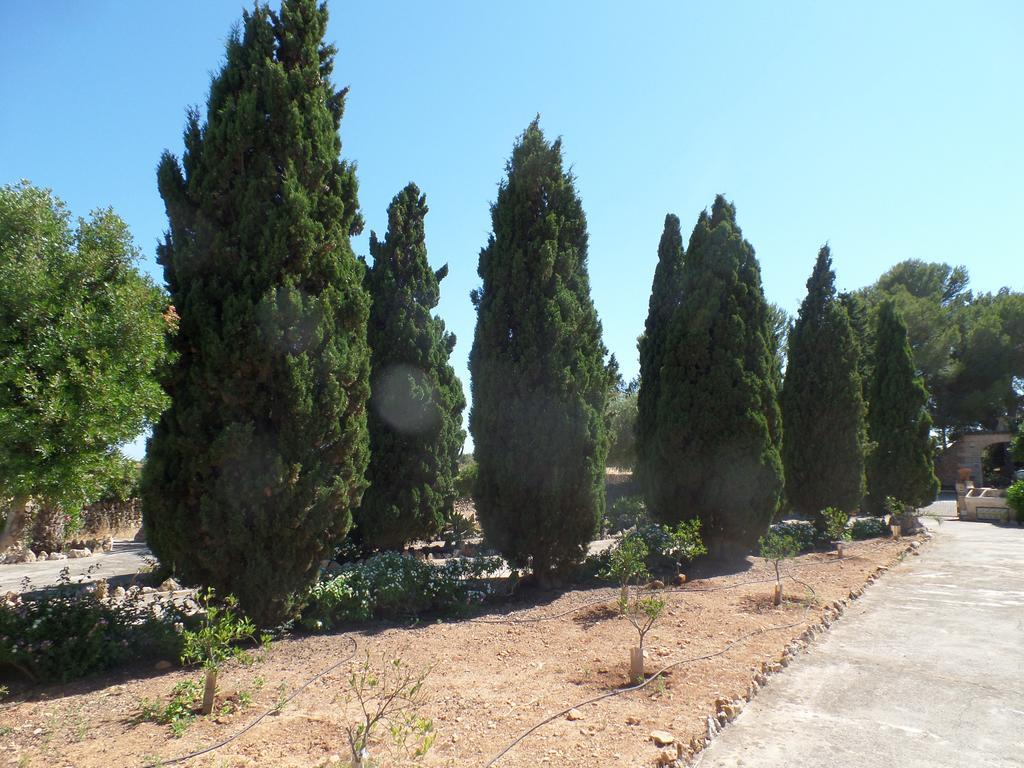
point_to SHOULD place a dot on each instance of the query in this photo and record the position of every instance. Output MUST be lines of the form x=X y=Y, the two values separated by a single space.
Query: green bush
x=68 y=633
x=627 y=512
x=465 y=481
x=1015 y=497
x=836 y=522
x=391 y=585
x=805 y=534
x=869 y=528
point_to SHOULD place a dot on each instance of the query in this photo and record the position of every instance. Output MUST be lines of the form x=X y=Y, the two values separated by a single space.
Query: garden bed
x=491 y=680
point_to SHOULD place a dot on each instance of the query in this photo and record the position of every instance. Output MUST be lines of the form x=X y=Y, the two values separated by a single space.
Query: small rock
x=574 y=714
x=41 y=555
x=712 y=728
x=662 y=738
x=163 y=665
x=680 y=579
x=76 y=554
x=170 y=585
x=57 y=556
x=656 y=584
x=108 y=544
x=666 y=758
x=148 y=590
x=119 y=593
x=632 y=720
x=915 y=545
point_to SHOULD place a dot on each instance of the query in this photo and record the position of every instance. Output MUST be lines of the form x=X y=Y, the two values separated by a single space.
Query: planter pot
x=896 y=530
x=840 y=549
x=636 y=664
x=777 y=596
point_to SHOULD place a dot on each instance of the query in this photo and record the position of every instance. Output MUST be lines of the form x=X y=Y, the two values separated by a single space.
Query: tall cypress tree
x=416 y=401
x=253 y=470
x=663 y=303
x=822 y=402
x=539 y=379
x=901 y=462
x=718 y=419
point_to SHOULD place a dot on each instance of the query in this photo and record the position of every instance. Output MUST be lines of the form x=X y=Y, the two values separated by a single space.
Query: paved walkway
x=926 y=670
x=128 y=557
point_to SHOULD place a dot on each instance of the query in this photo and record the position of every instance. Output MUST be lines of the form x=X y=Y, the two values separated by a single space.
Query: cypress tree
x=253 y=470
x=901 y=462
x=416 y=401
x=663 y=303
x=539 y=379
x=822 y=403
x=716 y=452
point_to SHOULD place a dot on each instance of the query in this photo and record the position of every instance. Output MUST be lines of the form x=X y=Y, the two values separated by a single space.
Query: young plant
x=641 y=612
x=627 y=564
x=216 y=639
x=1015 y=493
x=835 y=526
x=775 y=548
x=898 y=511
x=685 y=543
x=390 y=696
x=179 y=712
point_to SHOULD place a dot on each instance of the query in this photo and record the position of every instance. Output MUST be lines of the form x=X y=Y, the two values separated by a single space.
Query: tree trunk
x=777 y=597
x=14 y=526
x=210 y=692
x=636 y=664
x=48 y=528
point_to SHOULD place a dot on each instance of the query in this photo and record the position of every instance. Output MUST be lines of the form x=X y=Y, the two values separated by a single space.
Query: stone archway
x=966 y=452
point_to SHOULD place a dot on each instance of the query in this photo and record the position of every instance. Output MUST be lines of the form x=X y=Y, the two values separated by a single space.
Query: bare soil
x=492 y=678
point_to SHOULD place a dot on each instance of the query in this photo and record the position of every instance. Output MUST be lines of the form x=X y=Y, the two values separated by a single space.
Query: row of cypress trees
x=310 y=391
x=718 y=439
x=307 y=390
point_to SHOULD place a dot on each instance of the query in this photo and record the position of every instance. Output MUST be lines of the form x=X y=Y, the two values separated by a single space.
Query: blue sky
x=892 y=131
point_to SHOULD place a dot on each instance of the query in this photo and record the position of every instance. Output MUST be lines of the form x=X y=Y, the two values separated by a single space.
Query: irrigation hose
x=258 y=720
x=619 y=691
x=531 y=620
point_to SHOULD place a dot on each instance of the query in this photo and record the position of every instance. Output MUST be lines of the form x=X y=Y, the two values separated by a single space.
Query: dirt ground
x=491 y=679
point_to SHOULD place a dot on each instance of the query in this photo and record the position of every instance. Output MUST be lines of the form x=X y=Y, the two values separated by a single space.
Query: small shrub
x=465 y=481
x=627 y=512
x=1015 y=494
x=685 y=543
x=804 y=534
x=390 y=696
x=835 y=524
x=391 y=585
x=627 y=564
x=179 y=712
x=68 y=632
x=217 y=639
x=776 y=547
x=868 y=528
x=641 y=612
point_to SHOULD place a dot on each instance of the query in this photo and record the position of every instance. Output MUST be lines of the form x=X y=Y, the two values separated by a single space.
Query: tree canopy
x=540 y=383
x=718 y=426
x=254 y=469
x=822 y=402
x=416 y=401
x=81 y=339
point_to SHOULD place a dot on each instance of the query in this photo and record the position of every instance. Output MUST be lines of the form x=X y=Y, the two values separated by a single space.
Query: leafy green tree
x=539 y=380
x=1017 y=446
x=901 y=461
x=665 y=298
x=718 y=426
x=416 y=401
x=621 y=419
x=822 y=403
x=81 y=338
x=253 y=471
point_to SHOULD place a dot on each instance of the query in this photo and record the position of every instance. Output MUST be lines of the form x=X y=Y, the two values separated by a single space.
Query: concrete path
x=128 y=557
x=926 y=670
